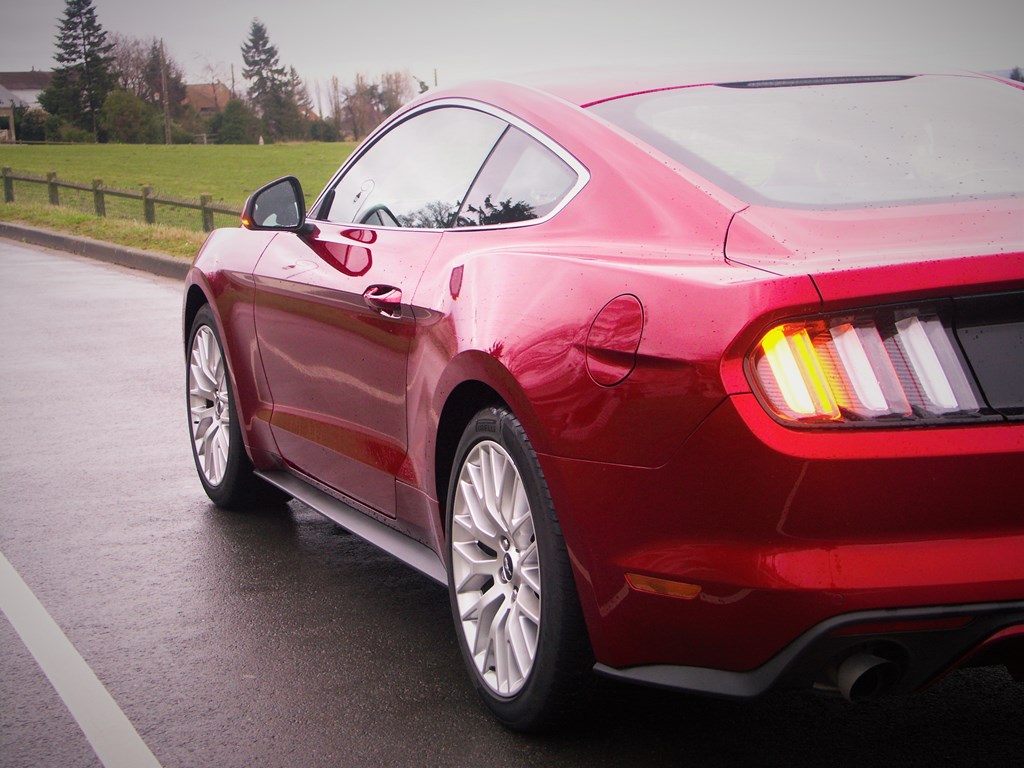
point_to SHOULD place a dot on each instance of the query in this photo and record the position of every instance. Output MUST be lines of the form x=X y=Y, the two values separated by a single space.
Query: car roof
x=584 y=87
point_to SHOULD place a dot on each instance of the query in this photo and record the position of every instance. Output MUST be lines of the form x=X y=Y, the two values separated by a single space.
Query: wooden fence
x=206 y=207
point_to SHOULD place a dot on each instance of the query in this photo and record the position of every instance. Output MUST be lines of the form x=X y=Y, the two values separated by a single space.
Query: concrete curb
x=134 y=258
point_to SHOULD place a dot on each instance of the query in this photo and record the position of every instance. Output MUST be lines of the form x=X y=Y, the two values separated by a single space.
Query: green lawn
x=172 y=241
x=227 y=173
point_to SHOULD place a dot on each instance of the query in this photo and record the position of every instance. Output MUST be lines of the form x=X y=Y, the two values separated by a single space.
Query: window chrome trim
x=581 y=171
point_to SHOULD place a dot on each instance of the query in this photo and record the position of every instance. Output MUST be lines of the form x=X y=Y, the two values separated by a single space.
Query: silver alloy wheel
x=208 y=405
x=496 y=568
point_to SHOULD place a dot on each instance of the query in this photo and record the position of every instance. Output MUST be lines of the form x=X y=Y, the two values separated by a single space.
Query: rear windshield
x=826 y=144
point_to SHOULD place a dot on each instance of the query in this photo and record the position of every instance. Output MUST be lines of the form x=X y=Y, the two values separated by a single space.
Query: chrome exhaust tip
x=864 y=676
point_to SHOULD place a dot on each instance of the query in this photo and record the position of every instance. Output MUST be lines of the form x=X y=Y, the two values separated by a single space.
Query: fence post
x=97 y=197
x=51 y=183
x=8 y=185
x=204 y=201
x=148 y=206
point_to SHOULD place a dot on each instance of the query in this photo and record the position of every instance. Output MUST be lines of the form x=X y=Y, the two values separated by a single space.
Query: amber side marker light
x=664 y=587
x=889 y=366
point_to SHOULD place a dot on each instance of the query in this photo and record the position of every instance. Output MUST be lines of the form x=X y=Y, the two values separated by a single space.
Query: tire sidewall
x=223 y=493
x=527 y=706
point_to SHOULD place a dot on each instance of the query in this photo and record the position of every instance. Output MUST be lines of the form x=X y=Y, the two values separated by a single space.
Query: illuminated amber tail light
x=898 y=366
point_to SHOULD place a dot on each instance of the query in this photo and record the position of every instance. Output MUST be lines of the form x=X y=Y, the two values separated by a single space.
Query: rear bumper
x=789 y=536
x=921 y=643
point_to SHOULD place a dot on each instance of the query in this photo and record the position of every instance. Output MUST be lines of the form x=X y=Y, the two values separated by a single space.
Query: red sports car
x=714 y=385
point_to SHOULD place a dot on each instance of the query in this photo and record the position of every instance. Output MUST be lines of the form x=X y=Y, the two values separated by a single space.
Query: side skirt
x=409 y=551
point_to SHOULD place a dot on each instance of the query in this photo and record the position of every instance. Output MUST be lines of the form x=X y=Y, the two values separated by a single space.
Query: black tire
x=550 y=690
x=232 y=485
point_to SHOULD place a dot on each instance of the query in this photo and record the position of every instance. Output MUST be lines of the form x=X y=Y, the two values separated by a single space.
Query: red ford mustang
x=713 y=386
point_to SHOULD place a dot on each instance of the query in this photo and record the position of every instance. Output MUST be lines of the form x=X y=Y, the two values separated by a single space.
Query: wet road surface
x=272 y=638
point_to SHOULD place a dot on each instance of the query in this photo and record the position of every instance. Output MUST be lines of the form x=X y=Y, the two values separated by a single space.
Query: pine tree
x=83 y=78
x=276 y=93
x=263 y=70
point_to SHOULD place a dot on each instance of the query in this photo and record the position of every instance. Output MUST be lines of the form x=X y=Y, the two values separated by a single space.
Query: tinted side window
x=417 y=174
x=522 y=180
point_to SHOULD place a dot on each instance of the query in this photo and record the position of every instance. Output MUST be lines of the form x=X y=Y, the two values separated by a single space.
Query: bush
x=323 y=130
x=63 y=131
x=30 y=124
x=237 y=124
x=128 y=119
x=181 y=135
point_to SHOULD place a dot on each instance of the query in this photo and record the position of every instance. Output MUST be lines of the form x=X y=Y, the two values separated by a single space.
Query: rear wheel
x=223 y=466
x=517 y=615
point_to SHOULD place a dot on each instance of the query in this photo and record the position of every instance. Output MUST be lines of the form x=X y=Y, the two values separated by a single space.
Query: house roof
x=207 y=96
x=36 y=80
x=7 y=99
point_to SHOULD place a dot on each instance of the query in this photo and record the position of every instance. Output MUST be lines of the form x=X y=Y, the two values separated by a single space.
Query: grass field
x=227 y=173
x=173 y=241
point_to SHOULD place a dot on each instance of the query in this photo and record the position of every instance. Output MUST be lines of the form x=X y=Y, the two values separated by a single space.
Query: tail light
x=888 y=366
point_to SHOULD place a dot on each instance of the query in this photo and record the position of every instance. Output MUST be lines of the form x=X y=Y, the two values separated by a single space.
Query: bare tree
x=394 y=90
x=318 y=96
x=142 y=69
x=130 y=56
x=368 y=102
x=336 y=102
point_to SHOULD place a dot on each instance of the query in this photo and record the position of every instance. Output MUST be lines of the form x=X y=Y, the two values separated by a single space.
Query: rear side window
x=418 y=173
x=522 y=180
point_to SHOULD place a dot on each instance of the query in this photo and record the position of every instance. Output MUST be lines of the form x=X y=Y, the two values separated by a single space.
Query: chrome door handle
x=384 y=298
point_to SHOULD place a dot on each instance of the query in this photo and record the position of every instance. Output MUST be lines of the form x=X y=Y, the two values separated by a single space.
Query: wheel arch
x=195 y=299
x=466 y=400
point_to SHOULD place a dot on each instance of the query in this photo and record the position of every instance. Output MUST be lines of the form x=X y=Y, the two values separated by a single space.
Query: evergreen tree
x=154 y=81
x=1017 y=75
x=83 y=78
x=297 y=109
x=299 y=93
x=276 y=93
x=263 y=70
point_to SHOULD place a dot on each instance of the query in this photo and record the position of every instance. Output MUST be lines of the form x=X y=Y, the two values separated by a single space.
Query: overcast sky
x=466 y=40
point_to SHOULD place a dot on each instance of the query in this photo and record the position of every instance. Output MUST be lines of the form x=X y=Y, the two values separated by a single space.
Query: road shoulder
x=134 y=258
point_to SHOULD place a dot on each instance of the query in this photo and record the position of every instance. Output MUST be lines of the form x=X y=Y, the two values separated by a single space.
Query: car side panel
x=483 y=329
x=335 y=365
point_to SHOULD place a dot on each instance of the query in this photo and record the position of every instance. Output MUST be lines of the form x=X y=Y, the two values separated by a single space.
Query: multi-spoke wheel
x=208 y=405
x=496 y=568
x=513 y=598
x=223 y=465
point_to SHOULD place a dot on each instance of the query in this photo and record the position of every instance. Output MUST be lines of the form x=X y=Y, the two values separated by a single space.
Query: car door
x=332 y=310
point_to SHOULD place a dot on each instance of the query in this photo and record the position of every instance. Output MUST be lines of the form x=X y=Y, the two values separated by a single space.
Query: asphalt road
x=272 y=638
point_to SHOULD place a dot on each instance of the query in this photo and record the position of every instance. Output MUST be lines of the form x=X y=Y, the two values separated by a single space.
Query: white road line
x=116 y=742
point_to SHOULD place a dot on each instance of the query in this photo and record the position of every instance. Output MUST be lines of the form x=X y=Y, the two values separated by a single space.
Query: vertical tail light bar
x=889 y=366
x=798 y=373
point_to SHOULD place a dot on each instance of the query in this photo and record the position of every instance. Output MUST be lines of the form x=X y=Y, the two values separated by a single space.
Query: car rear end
x=850 y=517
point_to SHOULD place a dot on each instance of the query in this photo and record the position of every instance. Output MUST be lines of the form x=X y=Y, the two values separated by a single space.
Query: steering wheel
x=387 y=217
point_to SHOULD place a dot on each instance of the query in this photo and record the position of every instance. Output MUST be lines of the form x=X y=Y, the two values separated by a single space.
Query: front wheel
x=223 y=466
x=517 y=615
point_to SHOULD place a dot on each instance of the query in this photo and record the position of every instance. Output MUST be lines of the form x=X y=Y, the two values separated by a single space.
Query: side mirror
x=279 y=205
